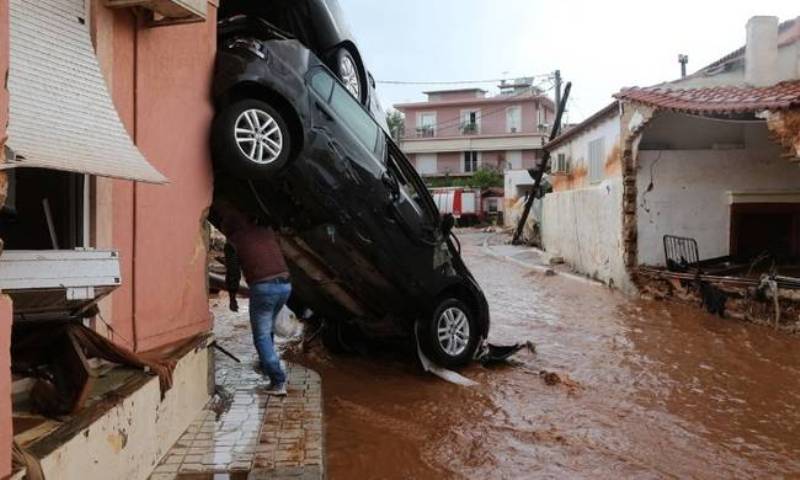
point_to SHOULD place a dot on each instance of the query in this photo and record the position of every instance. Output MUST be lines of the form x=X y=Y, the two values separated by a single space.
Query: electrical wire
x=490 y=113
x=457 y=82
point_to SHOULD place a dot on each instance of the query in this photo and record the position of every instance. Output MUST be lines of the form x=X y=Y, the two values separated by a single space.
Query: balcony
x=469 y=128
x=426 y=132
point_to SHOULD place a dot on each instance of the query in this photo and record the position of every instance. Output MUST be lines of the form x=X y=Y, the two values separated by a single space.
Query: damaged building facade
x=105 y=185
x=690 y=185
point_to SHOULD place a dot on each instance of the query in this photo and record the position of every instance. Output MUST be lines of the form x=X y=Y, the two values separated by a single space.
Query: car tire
x=449 y=337
x=349 y=71
x=251 y=140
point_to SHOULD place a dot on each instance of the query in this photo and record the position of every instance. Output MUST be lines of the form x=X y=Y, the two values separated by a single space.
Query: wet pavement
x=243 y=433
x=617 y=389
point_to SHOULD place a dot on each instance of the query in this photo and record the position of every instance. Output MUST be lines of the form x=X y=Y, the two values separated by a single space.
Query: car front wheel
x=251 y=140
x=450 y=336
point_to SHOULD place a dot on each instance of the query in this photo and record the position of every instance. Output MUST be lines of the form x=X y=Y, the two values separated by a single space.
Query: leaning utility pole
x=538 y=172
x=557 y=76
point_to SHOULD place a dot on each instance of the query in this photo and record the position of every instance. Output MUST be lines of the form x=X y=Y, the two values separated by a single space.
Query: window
x=470 y=121
x=471 y=162
x=596 y=151
x=514 y=159
x=542 y=119
x=562 y=164
x=492 y=206
x=427 y=163
x=514 y=119
x=322 y=83
x=354 y=116
x=347 y=108
x=426 y=124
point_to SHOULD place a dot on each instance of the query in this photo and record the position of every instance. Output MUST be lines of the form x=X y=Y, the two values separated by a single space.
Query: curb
x=537 y=268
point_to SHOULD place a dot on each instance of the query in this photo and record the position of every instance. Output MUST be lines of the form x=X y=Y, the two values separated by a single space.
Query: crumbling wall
x=634 y=120
x=741 y=303
x=785 y=131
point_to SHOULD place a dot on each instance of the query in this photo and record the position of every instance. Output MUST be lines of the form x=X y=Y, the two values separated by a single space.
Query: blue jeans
x=266 y=301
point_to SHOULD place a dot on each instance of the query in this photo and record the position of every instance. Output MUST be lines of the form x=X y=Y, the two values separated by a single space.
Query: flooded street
x=647 y=390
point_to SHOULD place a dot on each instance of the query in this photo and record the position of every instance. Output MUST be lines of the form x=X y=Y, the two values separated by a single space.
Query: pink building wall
x=161 y=77
x=452 y=162
x=493 y=119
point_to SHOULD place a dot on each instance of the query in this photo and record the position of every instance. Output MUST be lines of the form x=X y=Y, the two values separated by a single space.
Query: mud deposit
x=643 y=390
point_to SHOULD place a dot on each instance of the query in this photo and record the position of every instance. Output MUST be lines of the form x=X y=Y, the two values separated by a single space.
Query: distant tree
x=397 y=124
x=486 y=178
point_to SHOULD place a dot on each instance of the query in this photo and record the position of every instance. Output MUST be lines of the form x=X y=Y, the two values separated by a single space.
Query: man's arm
x=233 y=276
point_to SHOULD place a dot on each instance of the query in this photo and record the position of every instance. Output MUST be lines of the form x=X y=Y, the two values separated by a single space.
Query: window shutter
x=60 y=113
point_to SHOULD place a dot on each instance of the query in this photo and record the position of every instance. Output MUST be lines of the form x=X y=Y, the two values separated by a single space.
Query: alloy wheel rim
x=452 y=330
x=349 y=75
x=258 y=136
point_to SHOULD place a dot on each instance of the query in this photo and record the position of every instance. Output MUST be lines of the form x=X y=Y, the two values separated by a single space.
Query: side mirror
x=448 y=223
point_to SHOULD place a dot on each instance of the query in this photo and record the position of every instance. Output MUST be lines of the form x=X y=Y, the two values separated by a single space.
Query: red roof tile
x=725 y=99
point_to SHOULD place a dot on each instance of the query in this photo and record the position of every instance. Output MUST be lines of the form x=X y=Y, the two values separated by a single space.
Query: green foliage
x=484 y=178
x=397 y=124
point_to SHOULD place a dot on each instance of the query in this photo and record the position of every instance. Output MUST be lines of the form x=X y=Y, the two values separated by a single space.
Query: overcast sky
x=600 y=46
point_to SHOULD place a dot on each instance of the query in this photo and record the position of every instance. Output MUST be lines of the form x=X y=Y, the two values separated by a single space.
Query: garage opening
x=766 y=230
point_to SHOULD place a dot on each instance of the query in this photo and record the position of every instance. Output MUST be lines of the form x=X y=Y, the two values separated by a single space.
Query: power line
x=456 y=82
x=491 y=112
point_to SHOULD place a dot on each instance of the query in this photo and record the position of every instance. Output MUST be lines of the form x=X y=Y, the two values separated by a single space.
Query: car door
x=348 y=150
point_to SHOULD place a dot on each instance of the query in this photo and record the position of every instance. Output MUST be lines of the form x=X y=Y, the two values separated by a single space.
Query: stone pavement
x=243 y=432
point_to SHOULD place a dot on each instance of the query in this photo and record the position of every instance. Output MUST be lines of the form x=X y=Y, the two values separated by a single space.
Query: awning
x=60 y=113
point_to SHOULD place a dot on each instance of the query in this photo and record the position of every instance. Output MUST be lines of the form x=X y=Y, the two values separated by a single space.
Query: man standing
x=265 y=271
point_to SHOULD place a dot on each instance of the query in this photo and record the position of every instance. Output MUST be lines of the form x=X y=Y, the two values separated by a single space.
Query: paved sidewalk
x=243 y=432
x=530 y=258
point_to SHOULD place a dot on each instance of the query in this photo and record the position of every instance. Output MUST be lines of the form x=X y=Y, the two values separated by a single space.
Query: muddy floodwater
x=641 y=390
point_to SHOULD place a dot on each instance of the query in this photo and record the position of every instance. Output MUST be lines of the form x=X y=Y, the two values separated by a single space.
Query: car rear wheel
x=350 y=74
x=450 y=336
x=332 y=337
x=251 y=140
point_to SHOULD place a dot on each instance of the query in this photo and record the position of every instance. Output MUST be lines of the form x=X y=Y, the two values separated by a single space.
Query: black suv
x=365 y=243
x=320 y=26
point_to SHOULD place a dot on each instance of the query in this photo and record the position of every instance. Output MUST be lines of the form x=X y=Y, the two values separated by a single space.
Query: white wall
x=584 y=225
x=129 y=440
x=690 y=189
x=585 y=228
x=576 y=149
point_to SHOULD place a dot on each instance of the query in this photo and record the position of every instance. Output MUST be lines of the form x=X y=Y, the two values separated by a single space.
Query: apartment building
x=457 y=132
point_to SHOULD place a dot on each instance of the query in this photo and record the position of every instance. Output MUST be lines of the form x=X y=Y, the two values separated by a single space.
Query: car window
x=322 y=83
x=350 y=112
x=412 y=189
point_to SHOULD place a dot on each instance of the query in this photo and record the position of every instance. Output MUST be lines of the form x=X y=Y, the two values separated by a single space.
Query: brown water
x=648 y=390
